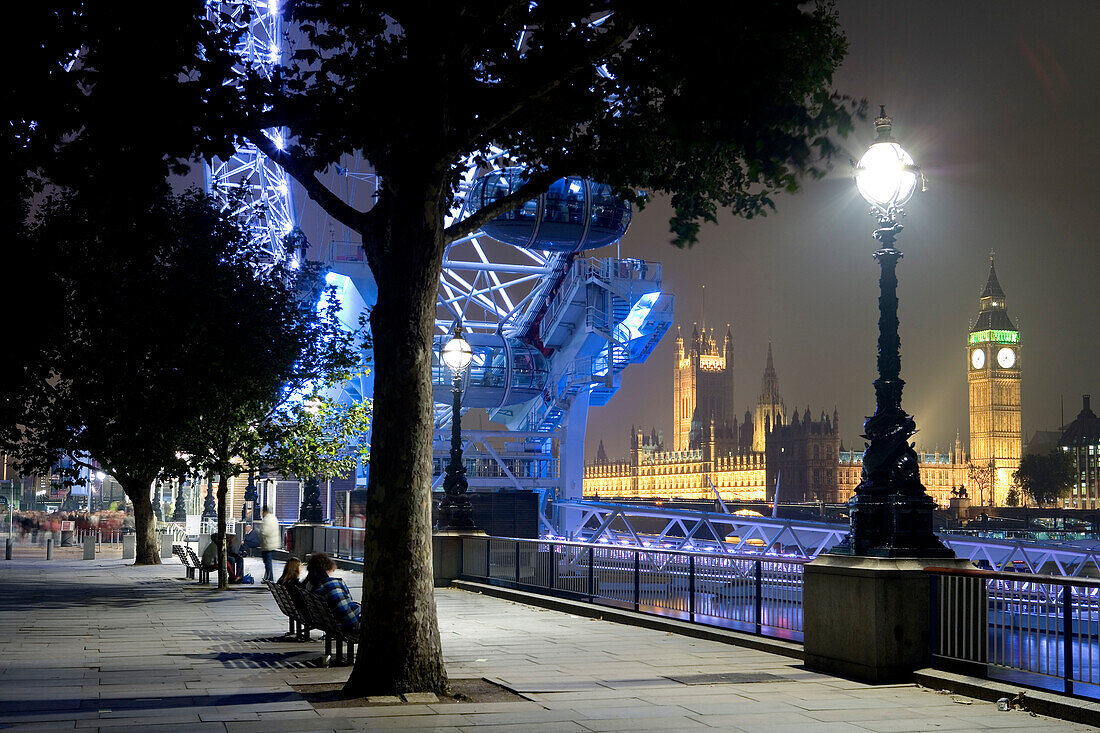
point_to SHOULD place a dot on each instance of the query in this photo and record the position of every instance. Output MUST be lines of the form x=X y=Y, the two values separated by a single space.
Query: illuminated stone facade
x=1081 y=440
x=993 y=377
x=712 y=452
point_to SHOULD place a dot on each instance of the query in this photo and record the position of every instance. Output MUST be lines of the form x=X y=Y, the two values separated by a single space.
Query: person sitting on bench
x=320 y=581
x=234 y=561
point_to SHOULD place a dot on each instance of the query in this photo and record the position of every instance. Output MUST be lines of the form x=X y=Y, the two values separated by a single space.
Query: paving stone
x=420 y=697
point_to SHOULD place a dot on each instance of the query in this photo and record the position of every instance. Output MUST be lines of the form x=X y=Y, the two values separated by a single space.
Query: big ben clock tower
x=993 y=374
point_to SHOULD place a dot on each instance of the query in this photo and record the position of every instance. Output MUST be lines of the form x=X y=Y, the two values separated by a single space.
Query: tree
x=718 y=114
x=119 y=275
x=1045 y=478
x=270 y=346
x=981 y=480
x=1013 y=497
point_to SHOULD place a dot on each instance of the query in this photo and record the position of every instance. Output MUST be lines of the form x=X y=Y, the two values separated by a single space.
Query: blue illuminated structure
x=574 y=214
x=551 y=331
x=257 y=190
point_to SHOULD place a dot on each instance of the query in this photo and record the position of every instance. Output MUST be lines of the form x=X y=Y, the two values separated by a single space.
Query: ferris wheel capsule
x=574 y=214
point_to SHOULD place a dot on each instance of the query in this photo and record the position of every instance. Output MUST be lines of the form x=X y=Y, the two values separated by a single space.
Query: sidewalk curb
x=1073 y=709
x=630 y=618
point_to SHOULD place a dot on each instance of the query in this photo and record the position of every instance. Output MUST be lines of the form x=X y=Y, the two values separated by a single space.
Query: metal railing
x=754 y=593
x=1037 y=629
x=343 y=542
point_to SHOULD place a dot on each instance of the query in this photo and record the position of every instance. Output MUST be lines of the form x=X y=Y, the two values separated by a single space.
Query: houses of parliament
x=799 y=455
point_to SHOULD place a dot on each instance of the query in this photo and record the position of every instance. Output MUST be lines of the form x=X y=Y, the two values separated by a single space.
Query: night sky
x=999 y=103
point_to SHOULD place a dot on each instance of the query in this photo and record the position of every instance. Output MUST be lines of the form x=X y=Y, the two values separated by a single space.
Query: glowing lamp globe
x=886 y=175
x=457 y=353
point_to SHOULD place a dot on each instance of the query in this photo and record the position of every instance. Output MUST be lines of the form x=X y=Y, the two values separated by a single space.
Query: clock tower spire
x=993 y=376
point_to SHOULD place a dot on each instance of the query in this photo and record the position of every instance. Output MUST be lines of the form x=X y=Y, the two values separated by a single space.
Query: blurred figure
x=269 y=541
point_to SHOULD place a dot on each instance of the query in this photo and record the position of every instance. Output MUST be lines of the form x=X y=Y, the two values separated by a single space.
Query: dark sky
x=999 y=102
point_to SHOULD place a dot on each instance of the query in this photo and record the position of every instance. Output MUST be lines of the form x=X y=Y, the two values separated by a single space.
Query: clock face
x=977 y=358
x=1006 y=357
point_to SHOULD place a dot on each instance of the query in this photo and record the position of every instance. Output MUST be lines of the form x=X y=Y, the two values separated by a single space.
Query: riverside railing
x=759 y=594
x=1040 y=630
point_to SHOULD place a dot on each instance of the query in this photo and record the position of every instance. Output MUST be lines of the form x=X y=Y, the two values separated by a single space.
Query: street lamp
x=310 y=511
x=455 y=511
x=99 y=475
x=891 y=515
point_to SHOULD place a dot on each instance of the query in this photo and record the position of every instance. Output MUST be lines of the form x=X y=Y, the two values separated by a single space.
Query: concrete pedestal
x=447 y=555
x=166 y=543
x=129 y=546
x=869 y=618
x=89 y=548
x=307 y=538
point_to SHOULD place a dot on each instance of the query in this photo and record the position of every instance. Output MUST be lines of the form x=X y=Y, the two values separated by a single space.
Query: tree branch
x=536 y=184
x=524 y=90
x=340 y=210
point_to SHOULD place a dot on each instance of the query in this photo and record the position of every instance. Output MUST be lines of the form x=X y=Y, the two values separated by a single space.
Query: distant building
x=1081 y=439
x=993 y=377
x=743 y=462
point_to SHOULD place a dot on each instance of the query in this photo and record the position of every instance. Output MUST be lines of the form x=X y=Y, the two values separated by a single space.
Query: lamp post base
x=456 y=514
x=894 y=526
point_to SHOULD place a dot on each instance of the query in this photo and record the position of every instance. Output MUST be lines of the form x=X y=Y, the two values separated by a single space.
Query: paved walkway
x=101 y=644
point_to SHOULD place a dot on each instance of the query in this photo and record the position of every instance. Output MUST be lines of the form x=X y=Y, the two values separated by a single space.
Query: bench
x=319 y=616
x=189 y=568
x=299 y=625
x=204 y=574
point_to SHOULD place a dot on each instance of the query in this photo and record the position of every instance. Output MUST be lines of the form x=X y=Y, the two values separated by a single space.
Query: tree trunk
x=399 y=634
x=223 y=541
x=145 y=525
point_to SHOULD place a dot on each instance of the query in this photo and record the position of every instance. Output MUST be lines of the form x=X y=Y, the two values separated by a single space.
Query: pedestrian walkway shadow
x=259 y=660
x=12 y=707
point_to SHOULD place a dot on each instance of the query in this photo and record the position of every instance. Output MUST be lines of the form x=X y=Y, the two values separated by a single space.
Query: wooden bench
x=299 y=624
x=189 y=568
x=319 y=616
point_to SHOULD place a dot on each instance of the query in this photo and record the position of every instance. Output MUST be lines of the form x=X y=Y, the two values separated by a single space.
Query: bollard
x=49 y=549
x=129 y=546
x=166 y=542
x=89 y=547
x=7 y=549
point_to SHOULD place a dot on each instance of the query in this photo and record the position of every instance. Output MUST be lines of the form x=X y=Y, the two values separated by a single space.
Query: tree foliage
x=110 y=378
x=269 y=345
x=1045 y=478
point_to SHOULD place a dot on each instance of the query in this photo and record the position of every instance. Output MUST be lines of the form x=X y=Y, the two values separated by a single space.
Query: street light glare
x=457 y=354
x=886 y=175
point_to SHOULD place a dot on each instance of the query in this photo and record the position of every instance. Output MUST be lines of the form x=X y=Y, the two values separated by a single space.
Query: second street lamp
x=455 y=510
x=891 y=514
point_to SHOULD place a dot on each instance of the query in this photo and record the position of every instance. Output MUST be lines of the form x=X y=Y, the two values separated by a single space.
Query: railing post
x=1067 y=636
x=933 y=617
x=691 y=588
x=517 y=563
x=553 y=567
x=759 y=576
x=488 y=558
x=591 y=573
x=637 y=578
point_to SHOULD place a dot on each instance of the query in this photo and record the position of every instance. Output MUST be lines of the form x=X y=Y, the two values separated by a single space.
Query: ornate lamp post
x=248 y=506
x=311 y=511
x=179 y=512
x=891 y=515
x=210 y=504
x=455 y=511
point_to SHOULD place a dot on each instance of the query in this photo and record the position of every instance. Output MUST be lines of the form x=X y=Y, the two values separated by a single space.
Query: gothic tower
x=703 y=379
x=769 y=407
x=993 y=374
